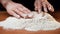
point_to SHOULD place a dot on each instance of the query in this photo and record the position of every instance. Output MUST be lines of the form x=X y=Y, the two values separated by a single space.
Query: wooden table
x=4 y=15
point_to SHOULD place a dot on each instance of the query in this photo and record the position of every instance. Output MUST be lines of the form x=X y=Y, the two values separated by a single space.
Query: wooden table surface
x=4 y=15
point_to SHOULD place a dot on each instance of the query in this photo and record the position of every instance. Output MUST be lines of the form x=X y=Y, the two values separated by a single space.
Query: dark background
x=30 y=4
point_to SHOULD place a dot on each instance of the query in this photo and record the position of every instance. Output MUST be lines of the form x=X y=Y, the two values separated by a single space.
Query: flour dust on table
x=47 y=22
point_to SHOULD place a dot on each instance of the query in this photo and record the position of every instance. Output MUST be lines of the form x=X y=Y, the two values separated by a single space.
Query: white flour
x=37 y=23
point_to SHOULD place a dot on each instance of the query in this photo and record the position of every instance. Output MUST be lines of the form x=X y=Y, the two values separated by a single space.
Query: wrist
x=5 y=2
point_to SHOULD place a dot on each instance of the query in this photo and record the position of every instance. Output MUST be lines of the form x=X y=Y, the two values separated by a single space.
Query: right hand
x=17 y=10
x=43 y=5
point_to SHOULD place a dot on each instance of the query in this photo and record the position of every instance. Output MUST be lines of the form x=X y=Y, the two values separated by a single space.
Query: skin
x=43 y=3
x=15 y=9
x=18 y=10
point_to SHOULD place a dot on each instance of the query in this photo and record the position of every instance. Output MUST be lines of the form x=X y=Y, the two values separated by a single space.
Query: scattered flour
x=36 y=23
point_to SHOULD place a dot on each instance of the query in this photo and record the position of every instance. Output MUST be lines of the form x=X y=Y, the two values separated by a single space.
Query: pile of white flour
x=36 y=23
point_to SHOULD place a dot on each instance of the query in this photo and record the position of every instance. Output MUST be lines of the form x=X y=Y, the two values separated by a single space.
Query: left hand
x=43 y=3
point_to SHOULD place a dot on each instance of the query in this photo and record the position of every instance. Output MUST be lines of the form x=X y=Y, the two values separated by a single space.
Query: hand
x=17 y=10
x=43 y=3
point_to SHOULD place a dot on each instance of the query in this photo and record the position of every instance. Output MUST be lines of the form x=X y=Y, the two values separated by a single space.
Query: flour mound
x=47 y=22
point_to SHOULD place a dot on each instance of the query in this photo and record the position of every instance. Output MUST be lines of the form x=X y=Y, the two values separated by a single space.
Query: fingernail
x=46 y=10
x=18 y=16
x=24 y=15
x=49 y=8
x=30 y=15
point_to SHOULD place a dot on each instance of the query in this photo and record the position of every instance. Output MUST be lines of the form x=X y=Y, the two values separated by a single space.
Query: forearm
x=4 y=2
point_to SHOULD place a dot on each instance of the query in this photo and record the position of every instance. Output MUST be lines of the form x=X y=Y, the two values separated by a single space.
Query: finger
x=20 y=13
x=44 y=7
x=50 y=7
x=39 y=6
x=24 y=9
x=35 y=5
x=13 y=14
x=30 y=15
